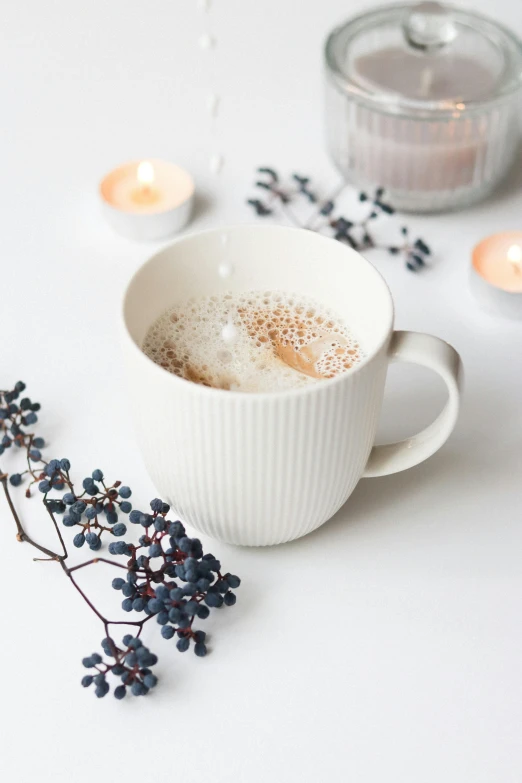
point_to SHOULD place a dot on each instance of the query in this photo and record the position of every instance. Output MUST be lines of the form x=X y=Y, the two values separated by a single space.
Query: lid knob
x=429 y=26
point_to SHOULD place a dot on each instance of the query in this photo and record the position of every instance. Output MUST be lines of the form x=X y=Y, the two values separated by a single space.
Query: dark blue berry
x=65 y=465
x=135 y=516
x=167 y=631
x=200 y=649
x=88 y=662
x=15 y=479
x=183 y=644
x=127 y=639
x=102 y=690
x=30 y=418
x=131 y=659
x=230 y=599
x=176 y=529
x=35 y=455
x=155 y=605
x=120 y=691
x=118 y=583
x=119 y=530
x=97 y=475
x=203 y=612
x=69 y=498
x=138 y=689
x=126 y=605
x=233 y=581
x=87 y=680
x=160 y=524
x=163 y=618
x=150 y=680
x=125 y=492
x=69 y=521
x=138 y=604
x=79 y=540
x=155 y=550
x=119 y=548
x=44 y=486
x=213 y=600
x=156 y=504
x=125 y=507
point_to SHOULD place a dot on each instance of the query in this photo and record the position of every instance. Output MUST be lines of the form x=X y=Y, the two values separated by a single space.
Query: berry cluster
x=172 y=580
x=13 y=418
x=132 y=664
x=355 y=233
x=167 y=574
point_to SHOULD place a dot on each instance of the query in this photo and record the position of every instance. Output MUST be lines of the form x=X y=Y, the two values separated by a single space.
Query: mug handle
x=431 y=352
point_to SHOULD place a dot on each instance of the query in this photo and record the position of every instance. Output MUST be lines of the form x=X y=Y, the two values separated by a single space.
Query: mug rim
x=232 y=394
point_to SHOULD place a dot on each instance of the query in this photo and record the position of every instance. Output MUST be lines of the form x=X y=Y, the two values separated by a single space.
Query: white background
x=388 y=644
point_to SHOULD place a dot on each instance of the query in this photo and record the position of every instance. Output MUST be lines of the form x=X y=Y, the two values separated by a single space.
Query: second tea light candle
x=496 y=273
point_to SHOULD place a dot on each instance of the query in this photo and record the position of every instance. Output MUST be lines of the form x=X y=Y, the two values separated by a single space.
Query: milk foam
x=281 y=341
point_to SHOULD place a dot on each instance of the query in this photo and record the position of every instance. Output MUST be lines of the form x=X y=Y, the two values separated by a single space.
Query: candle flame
x=514 y=256
x=145 y=174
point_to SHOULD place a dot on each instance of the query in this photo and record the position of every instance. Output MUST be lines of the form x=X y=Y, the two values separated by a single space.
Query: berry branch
x=356 y=233
x=167 y=575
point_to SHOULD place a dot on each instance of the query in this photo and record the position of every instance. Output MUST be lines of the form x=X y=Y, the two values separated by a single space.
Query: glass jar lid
x=424 y=59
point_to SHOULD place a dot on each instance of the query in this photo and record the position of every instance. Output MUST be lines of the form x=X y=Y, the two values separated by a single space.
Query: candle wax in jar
x=422 y=77
x=498 y=260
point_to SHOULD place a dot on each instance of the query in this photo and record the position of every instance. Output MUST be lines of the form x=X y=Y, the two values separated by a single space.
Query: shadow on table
x=202 y=204
x=512 y=184
x=480 y=451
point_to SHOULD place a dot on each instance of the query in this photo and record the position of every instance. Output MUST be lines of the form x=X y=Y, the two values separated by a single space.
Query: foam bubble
x=270 y=341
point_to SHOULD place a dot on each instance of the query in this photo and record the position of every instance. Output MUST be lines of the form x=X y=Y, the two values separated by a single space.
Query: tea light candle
x=496 y=273
x=147 y=200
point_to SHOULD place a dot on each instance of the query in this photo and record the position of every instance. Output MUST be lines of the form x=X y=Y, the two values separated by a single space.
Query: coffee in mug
x=258 y=341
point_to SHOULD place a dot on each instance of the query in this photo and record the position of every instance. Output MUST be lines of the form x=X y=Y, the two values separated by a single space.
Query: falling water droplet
x=206 y=41
x=213 y=102
x=216 y=163
x=225 y=270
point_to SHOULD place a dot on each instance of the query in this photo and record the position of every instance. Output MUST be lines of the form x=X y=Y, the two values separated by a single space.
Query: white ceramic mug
x=265 y=468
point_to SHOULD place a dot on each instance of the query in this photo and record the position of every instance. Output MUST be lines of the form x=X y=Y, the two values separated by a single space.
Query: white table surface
x=386 y=646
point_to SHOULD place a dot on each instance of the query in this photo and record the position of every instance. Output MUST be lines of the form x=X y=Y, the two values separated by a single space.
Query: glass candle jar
x=423 y=100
